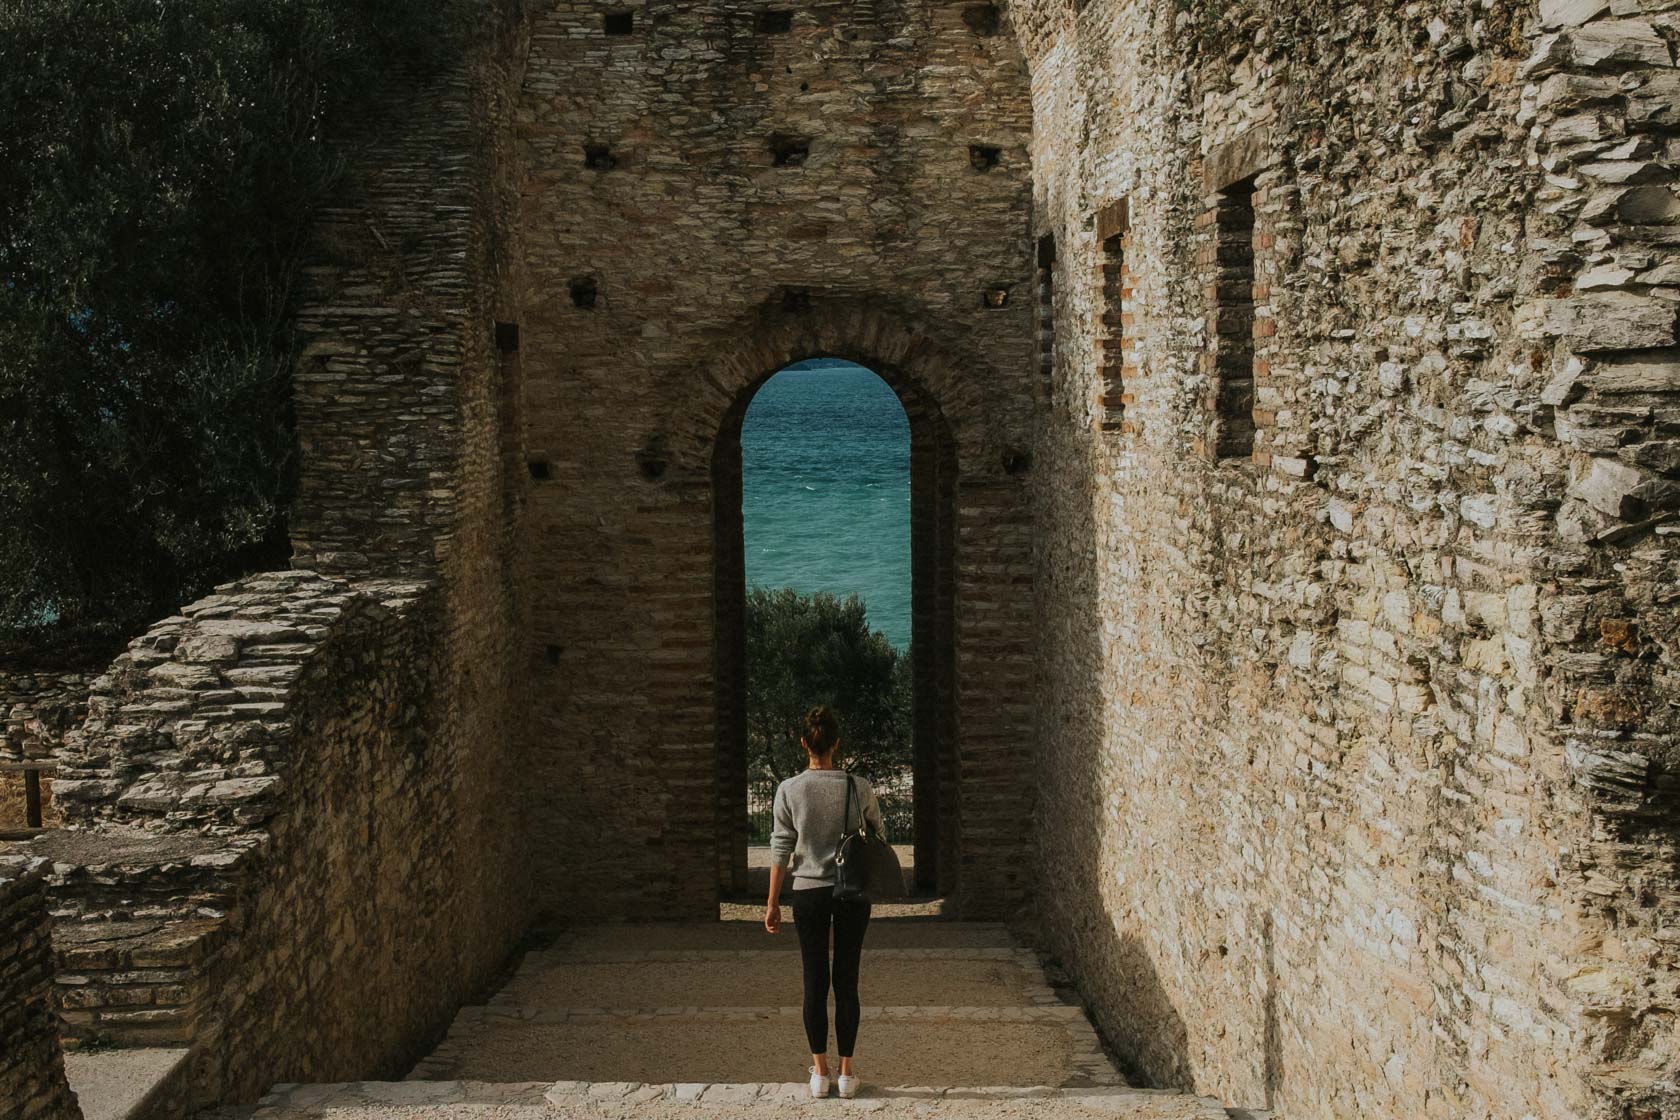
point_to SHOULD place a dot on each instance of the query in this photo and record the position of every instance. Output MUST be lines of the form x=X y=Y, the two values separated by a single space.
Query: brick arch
x=907 y=361
x=922 y=365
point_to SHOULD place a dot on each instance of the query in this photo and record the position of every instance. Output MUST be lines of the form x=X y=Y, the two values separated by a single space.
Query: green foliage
x=808 y=650
x=159 y=165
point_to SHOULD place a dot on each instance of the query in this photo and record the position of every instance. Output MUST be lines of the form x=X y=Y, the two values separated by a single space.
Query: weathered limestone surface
x=263 y=857
x=32 y=1085
x=1356 y=752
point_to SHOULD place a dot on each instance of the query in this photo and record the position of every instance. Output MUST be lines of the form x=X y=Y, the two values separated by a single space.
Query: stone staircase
x=701 y=1021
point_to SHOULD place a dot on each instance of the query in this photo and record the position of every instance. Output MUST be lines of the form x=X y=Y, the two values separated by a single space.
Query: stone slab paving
x=747 y=933
x=955 y=977
x=576 y=1034
x=111 y=1084
x=941 y=1045
x=944 y=1003
x=621 y=1100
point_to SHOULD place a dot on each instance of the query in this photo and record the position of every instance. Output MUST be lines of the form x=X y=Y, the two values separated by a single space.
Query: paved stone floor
x=945 y=1003
x=702 y=1021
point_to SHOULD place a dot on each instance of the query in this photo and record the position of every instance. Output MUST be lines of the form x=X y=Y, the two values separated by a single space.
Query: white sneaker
x=819 y=1084
x=848 y=1085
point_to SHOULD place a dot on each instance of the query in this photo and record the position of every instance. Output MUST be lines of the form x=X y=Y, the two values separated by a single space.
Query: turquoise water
x=825 y=465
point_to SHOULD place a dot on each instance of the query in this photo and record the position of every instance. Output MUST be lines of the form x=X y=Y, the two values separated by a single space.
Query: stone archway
x=971 y=598
x=932 y=520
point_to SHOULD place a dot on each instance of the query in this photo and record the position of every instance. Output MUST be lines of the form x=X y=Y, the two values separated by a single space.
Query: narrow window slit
x=1046 y=316
x=1114 y=344
x=1230 y=361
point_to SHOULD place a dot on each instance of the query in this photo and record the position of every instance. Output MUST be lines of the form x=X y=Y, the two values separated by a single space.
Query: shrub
x=807 y=650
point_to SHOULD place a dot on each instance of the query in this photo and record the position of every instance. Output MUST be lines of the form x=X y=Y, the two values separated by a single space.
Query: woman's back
x=809 y=814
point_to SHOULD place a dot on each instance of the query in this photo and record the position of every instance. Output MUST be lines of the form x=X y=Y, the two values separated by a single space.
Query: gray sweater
x=807 y=814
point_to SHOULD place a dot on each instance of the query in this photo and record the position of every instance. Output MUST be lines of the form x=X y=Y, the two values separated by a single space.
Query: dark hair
x=822 y=730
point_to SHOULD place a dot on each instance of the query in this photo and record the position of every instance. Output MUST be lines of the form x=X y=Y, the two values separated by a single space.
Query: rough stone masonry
x=1296 y=492
x=32 y=1084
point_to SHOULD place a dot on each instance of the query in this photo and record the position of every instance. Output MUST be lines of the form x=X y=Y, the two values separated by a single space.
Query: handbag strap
x=845 y=819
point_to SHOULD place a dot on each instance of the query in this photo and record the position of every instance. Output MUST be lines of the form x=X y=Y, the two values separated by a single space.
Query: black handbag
x=864 y=863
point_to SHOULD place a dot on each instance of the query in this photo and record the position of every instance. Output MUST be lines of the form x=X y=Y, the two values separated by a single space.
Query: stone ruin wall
x=263 y=803
x=1356 y=777
x=32 y=1084
x=36 y=709
x=671 y=265
x=407 y=399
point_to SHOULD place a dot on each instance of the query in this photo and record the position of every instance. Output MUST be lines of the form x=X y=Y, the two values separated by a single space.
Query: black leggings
x=814 y=910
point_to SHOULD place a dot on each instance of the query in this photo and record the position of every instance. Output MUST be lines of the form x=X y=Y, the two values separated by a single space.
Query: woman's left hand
x=772 y=917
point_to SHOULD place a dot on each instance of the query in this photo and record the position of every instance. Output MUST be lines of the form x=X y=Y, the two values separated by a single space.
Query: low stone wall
x=261 y=860
x=37 y=707
x=32 y=1084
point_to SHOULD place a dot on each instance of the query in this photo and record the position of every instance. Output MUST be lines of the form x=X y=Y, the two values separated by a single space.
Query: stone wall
x=710 y=192
x=32 y=1085
x=1356 y=591
x=270 y=808
x=38 y=704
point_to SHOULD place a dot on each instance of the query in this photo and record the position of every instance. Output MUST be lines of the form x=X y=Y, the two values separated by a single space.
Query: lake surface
x=825 y=463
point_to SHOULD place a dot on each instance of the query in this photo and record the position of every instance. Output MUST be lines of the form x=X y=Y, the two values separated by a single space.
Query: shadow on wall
x=1113 y=967
x=1156 y=1055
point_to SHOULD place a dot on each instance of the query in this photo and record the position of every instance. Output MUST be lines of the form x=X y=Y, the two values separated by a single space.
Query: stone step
x=895 y=933
x=117 y=1084
x=1049 y=1044
x=753 y=977
x=136 y=982
x=622 y=1100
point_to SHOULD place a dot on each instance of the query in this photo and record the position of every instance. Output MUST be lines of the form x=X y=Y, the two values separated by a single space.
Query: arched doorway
x=931 y=625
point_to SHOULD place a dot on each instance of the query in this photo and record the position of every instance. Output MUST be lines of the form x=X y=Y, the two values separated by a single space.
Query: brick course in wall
x=32 y=1085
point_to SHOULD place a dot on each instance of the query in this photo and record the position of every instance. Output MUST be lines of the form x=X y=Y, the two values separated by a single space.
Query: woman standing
x=809 y=811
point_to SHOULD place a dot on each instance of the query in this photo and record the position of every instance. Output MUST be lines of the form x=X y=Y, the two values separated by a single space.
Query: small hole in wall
x=599 y=157
x=983 y=158
x=775 y=22
x=982 y=19
x=618 y=23
x=1224 y=951
x=507 y=337
x=1016 y=460
x=552 y=654
x=804 y=87
x=583 y=292
x=540 y=469
x=994 y=298
x=651 y=463
x=789 y=151
x=796 y=301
